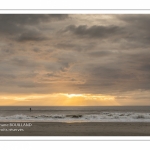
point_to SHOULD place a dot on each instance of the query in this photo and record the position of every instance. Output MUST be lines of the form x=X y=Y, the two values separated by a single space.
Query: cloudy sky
x=74 y=59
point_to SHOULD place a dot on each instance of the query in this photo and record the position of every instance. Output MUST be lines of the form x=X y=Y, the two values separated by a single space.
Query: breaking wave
x=100 y=117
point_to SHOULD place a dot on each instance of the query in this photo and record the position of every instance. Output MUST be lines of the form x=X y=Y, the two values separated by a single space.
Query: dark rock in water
x=44 y=116
x=74 y=116
x=57 y=117
x=140 y=117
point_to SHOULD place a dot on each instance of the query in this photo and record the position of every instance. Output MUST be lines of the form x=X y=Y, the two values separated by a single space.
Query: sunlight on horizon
x=58 y=99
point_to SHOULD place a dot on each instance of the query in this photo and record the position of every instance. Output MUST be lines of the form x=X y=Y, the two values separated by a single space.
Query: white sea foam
x=99 y=117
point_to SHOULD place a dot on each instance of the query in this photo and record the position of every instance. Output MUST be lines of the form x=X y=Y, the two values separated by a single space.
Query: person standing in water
x=30 y=109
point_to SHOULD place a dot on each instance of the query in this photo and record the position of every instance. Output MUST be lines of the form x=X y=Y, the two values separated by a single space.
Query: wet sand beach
x=79 y=129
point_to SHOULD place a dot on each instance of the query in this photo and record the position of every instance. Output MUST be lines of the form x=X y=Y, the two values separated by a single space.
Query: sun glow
x=58 y=99
x=73 y=95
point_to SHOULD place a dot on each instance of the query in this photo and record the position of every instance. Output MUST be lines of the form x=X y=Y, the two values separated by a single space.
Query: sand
x=80 y=129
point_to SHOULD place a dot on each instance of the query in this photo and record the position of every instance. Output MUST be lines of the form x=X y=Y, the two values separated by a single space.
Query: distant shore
x=77 y=129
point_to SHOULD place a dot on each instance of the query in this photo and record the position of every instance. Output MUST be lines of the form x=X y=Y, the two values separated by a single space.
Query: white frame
x=74 y=138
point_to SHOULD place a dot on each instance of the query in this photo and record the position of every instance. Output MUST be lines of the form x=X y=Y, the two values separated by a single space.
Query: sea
x=75 y=114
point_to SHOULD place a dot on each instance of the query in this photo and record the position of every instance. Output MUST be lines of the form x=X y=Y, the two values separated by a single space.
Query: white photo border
x=74 y=138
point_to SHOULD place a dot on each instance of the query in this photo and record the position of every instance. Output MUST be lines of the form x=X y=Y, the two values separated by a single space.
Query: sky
x=74 y=59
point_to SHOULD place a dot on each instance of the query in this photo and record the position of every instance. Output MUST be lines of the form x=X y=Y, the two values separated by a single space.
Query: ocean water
x=76 y=114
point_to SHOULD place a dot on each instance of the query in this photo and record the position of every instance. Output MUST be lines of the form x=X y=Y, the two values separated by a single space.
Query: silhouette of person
x=30 y=109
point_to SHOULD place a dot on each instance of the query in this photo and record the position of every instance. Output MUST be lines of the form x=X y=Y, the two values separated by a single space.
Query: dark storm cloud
x=18 y=26
x=128 y=73
x=132 y=34
x=6 y=51
x=93 y=56
x=30 y=85
x=36 y=50
x=100 y=53
x=142 y=20
x=146 y=67
x=76 y=46
x=95 y=31
x=31 y=36
x=141 y=64
x=23 y=62
x=137 y=27
x=4 y=76
x=30 y=18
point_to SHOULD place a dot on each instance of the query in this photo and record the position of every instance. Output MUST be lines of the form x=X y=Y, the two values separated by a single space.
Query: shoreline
x=77 y=129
